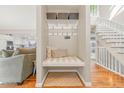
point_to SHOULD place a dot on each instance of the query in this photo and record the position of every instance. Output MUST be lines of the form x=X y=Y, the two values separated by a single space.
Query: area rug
x=63 y=80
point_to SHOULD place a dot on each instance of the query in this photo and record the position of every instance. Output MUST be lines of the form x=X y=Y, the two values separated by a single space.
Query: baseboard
x=110 y=70
x=88 y=84
x=62 y=70
x=85 y=82
x=40 y=84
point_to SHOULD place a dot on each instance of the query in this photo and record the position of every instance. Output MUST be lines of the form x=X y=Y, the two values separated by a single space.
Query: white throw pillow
x=57 y=53
x=49 y=52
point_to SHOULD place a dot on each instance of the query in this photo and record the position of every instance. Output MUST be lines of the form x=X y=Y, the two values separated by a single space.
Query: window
x=93 y=10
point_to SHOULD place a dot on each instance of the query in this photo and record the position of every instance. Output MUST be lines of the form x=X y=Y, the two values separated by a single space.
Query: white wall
x=119 y=18
x=105 y=11
x=17 y=18
x=60 y=43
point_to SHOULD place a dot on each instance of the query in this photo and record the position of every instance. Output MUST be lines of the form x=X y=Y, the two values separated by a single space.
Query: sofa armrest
x=11 y=68
x=27 y=66
x=12 y=58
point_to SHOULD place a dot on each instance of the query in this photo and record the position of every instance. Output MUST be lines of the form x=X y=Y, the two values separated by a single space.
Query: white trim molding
x=61 y=71
x=38 y=85
x=41 y=83
x=85 y=82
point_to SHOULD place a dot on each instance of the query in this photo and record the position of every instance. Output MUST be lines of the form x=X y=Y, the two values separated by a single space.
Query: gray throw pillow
x=10 y=52
x=0 y=54
x=5 y=54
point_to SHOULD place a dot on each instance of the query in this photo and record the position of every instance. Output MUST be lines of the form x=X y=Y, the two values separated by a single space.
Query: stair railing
x=110 y=24
x=105 y=57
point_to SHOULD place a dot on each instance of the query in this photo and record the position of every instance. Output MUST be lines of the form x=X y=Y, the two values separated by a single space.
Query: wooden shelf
x=62 y=16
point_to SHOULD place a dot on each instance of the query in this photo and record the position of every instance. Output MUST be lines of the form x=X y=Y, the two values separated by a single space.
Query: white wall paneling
x=84 y=42
x=41 y=44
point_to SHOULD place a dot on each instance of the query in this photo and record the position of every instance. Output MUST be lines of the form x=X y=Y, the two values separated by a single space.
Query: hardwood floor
x=29 y=83
x=101 y=78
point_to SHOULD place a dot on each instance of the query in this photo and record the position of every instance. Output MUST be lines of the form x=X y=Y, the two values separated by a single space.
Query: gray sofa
x=16 y=69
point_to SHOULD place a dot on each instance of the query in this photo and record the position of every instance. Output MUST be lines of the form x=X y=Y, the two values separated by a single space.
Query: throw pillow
x=59 y=53
x=5 y=54
x=48 y=52
x=16 y=52
x=10 y=52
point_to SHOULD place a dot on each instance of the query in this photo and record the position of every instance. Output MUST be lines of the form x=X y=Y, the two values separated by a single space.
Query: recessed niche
x=51 y=15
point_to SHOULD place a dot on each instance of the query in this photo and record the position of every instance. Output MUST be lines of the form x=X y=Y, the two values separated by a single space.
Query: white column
x=84 y=43
x=41 y=44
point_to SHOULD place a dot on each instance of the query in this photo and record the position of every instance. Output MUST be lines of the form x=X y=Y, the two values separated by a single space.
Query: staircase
x=110 y=45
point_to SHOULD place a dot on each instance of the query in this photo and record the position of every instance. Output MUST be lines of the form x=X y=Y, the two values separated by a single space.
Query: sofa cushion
x=26 y=50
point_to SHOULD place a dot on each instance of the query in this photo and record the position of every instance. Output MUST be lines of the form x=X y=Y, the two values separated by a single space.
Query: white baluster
x=115 y=65
x=119 y=68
